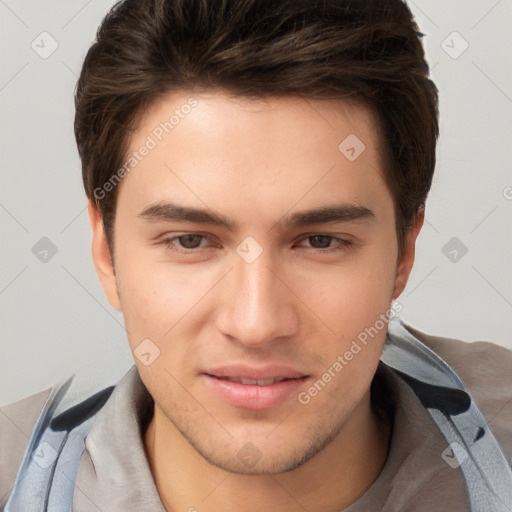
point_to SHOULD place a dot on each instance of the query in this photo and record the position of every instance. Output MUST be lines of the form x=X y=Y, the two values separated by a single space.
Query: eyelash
x=169 y=243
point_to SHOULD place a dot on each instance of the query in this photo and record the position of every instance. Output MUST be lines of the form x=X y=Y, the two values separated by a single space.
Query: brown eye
x=320 y=241
x=187 y=244
x=325 y=244
x=190 y=241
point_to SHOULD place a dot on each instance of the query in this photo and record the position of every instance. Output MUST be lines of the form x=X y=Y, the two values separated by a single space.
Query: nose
x=256 y=305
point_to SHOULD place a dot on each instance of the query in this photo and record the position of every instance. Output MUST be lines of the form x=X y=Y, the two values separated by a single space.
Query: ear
x=407 y=260
x=101 y=257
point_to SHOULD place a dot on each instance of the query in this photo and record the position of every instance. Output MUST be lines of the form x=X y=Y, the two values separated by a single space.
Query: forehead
x=266 y=150
x=305 y=120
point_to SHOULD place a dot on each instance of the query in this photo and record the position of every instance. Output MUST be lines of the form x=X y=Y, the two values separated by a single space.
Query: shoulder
x=17 y=420
x=486 y=370
x=484 y=367
x=65 y=410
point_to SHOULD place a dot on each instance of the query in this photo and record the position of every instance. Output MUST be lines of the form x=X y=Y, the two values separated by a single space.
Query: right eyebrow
x=167 y=211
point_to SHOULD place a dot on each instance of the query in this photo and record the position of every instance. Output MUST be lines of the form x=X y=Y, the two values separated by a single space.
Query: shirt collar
x=114 y=472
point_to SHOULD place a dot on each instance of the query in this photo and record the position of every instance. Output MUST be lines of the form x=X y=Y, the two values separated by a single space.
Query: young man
x=256 y=175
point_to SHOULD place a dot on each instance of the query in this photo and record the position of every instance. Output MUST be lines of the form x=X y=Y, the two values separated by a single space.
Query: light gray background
x=55 y=319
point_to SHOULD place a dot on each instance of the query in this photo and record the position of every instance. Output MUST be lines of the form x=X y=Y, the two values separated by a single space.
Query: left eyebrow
x=327 y=214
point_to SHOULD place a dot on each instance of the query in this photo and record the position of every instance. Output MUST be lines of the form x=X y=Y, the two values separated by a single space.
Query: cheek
x=352 y=295
x=154 y=297
x=354 y=302
x=370 y=290
x=158 y=308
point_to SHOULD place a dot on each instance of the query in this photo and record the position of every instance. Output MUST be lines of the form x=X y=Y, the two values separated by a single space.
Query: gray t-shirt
x=114 y=474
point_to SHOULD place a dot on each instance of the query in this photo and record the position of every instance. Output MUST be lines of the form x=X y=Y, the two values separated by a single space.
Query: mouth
x=255 y=392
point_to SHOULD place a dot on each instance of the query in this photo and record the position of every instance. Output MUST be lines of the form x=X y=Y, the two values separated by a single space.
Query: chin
x=258 y=454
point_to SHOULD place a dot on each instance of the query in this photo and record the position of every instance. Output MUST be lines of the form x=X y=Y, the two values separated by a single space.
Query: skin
x=301 y=302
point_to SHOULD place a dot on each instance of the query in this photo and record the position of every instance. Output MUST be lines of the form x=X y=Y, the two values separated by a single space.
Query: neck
x=331 y=480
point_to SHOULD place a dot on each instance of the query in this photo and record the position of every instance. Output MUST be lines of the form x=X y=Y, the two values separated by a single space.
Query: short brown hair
x=319 y=49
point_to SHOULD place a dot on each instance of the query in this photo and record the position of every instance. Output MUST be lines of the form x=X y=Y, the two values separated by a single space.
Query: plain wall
x=55 y=319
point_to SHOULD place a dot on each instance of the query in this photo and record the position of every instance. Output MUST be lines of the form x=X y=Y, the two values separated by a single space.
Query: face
x=254 y=243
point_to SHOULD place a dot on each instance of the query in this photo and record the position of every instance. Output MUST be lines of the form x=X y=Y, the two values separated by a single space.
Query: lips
x=254 y=388
x=237 y=372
